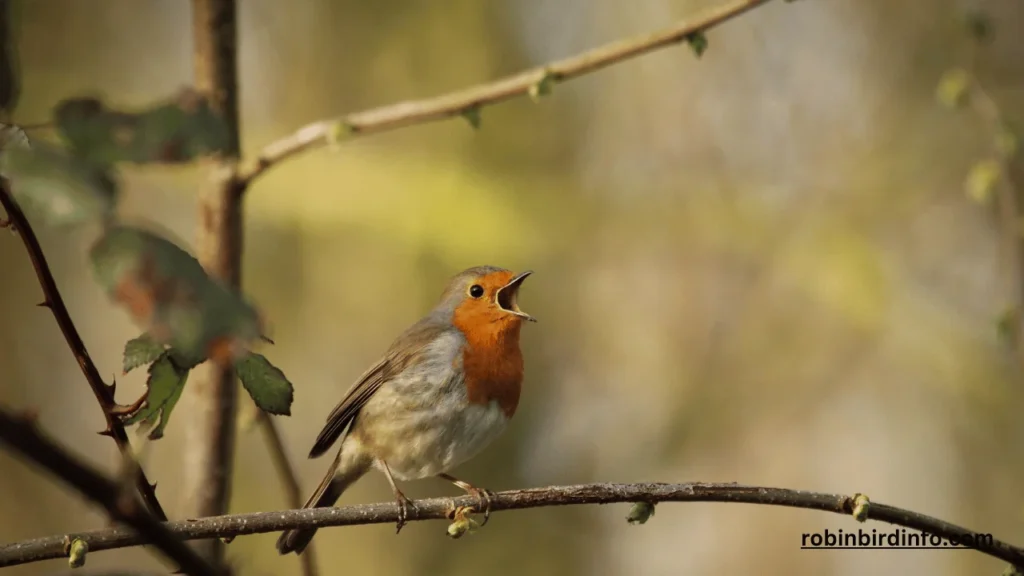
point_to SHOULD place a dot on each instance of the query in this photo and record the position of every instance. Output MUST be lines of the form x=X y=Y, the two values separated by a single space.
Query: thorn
x=44 y=304
x=6 y=223
x=266 y=339
x=228 y=539
x=153 y=487
x=108 y=432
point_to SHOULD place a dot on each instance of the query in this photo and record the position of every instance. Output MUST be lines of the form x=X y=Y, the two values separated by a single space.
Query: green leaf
x=268 y=386
x=141 y=351
x=176 y=131
x=698 y=43
x=543 y=86
x=165 y=383
x=170 y=296
x=982 y=179
x=165 y=414
x=472 y=115
x=57 y=187
x=339 y=131
x=640 y=513
x=954 y=88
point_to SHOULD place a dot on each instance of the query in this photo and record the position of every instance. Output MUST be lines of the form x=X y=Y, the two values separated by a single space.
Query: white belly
x=422 y=423
x=425 y=443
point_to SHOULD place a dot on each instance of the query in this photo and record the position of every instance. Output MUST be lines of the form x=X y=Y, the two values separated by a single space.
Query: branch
x=290 y=482
x=438 y=508
x=104 y=394
x=531 y=82
x=20 y=435
x=210 y=431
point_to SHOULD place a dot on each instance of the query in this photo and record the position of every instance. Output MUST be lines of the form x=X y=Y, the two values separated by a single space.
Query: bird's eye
x=476 y=290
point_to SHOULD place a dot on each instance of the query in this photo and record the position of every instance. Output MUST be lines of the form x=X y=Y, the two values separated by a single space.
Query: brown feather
x=402 y=353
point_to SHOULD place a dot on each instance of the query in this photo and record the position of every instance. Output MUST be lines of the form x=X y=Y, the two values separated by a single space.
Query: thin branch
x=536 y=80
x=439 y=508
x=104 y=394
x=289 y=481
x=19 y=434
x=210 y=430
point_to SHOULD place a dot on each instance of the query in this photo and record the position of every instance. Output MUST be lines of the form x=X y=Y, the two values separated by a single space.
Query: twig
x=289 y=481
x=476 y=97
x=210 y=430
x=104 y=394
x=21 y=436
x=438 y=508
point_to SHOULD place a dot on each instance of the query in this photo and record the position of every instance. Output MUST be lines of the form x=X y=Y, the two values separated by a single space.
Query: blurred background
x=759 y=266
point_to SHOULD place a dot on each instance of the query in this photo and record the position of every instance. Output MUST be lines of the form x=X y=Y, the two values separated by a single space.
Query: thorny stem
x=20 y=435
x=104 y=394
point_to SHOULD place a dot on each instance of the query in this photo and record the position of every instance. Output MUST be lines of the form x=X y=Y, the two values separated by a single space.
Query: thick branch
x=104 y=394
x=438 y=508
x=213 y=391
x=469 y=99
x=20 y=435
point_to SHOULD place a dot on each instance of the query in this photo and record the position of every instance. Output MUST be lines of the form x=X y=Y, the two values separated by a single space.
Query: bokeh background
x=759 y=266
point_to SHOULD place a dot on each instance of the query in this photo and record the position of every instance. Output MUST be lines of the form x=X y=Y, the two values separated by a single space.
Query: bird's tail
x=342 y=474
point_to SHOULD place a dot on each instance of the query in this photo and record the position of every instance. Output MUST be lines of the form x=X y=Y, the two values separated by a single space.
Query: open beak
x=508 y=296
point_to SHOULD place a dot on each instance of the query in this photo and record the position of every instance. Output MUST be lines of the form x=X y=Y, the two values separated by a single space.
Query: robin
x=445 y=389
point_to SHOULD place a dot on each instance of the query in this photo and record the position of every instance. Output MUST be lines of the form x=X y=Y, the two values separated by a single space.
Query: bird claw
x=404 y=503
x=483 y=496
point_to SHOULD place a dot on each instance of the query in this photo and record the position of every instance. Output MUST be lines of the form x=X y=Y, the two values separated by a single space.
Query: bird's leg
x=403 y=502
x=483 y=495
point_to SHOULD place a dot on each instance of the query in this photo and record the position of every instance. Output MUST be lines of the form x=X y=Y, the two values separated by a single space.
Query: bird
x=444 y=390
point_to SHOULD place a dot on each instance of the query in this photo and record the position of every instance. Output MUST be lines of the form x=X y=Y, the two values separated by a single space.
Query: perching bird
x=445 y=389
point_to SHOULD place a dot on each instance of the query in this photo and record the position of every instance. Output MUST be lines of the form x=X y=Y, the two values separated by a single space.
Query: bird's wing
x=403 y=352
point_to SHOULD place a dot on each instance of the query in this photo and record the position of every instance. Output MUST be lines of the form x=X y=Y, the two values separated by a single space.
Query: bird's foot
x=404 y=504
x=483 y=499
x=483 y=496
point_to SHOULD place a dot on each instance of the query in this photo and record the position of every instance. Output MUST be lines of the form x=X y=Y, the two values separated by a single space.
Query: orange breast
x=493 y=364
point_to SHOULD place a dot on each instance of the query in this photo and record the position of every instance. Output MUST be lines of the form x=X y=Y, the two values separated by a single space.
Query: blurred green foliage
x=181 y=130
x=164 y=386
